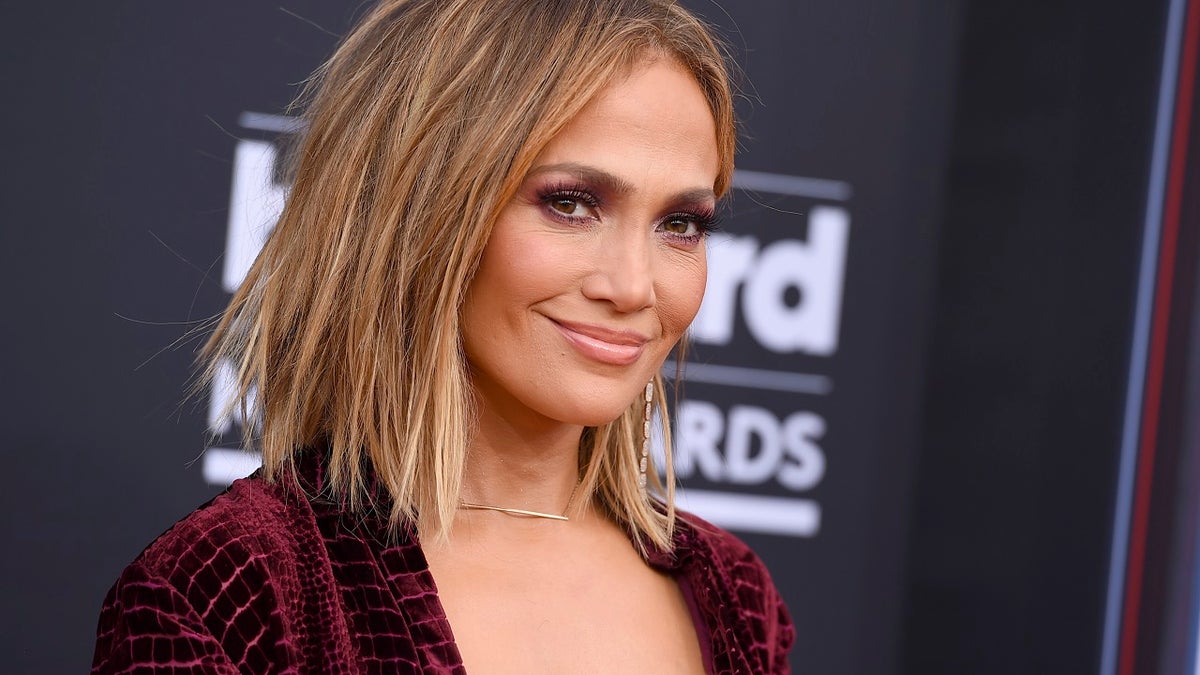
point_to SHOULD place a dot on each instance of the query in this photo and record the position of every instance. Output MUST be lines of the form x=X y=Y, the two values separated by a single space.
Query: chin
x=591 y=411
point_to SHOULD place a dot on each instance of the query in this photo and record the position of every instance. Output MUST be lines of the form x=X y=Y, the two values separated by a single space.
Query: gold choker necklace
x=522 y=512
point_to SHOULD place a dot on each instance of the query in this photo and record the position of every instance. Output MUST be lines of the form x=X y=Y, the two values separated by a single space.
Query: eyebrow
x=615 y=184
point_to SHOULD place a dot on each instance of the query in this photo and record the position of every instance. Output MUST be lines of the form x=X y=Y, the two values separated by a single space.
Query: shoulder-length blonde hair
x=419 y=130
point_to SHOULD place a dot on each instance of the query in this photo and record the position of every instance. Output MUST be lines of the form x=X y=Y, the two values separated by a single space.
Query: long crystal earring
x=646 y=437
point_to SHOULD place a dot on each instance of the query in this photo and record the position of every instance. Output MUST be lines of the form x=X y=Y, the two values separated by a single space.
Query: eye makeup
x=577 y=203
x=570 y=203
x=698 y=224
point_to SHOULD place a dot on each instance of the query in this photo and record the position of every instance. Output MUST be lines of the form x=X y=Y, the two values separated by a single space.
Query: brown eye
x=573 y=205
x=565 y=206
x=680 y=226
x=685 y=227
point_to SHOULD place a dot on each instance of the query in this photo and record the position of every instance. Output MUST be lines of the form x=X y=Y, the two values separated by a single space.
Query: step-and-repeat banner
x=797 y=422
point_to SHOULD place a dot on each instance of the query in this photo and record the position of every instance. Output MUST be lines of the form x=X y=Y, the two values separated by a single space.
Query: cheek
x=680 y=292
x=520 y=269
x=517 y=264
x=531 y=269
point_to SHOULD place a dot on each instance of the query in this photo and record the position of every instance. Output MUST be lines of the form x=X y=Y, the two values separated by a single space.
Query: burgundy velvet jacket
x=265 y=580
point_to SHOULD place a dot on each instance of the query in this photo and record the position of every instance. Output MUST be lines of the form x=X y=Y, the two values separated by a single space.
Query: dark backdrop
x=1042 y=233
x=1009 y=166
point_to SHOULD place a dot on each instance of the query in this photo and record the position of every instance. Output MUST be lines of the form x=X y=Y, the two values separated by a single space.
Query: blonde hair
x=419 y=130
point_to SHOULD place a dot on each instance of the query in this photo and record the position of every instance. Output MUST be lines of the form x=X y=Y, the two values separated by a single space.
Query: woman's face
x=597 y=265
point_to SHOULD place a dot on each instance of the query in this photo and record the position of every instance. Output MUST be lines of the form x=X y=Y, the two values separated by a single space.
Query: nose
x=623 y=271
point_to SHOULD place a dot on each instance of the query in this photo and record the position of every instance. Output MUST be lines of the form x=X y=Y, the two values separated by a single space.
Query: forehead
x=652 y=118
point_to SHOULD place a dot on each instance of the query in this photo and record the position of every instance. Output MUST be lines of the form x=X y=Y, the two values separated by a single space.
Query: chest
x=495 y=611
x=573 y=616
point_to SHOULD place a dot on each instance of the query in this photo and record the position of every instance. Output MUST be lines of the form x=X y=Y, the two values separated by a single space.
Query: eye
x=687 y=227
x=571 y=204
x=568 y=206
x=683 y=226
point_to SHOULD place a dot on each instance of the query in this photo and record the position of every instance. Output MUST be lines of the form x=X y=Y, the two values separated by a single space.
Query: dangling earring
x=646 y=436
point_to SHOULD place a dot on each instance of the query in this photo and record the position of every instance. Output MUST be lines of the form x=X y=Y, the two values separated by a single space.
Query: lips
x=603 y=344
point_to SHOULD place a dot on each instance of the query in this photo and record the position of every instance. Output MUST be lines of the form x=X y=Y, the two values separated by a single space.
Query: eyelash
x=705 y=220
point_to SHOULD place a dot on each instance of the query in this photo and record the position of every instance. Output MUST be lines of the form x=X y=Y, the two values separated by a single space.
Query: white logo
x=255 y=202
x=764 y=274
x=788 y=294
x=787 y=449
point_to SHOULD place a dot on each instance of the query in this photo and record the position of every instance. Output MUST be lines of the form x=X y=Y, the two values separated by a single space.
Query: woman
x=451 y=345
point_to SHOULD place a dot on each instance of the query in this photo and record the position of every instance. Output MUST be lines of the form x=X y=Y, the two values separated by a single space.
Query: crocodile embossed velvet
x=265 y=580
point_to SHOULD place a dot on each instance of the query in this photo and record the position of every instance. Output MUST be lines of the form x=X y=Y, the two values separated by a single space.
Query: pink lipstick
x=606 y=345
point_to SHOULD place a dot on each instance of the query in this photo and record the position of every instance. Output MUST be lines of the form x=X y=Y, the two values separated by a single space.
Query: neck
x=533 y=468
